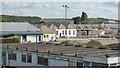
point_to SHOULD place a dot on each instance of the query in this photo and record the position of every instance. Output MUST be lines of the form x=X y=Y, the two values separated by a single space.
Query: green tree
x=84 y=17
x=76 y=20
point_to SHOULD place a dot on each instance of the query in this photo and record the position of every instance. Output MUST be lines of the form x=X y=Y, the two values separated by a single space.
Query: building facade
x=49 y=34
x=14 y=55
x=65 y=30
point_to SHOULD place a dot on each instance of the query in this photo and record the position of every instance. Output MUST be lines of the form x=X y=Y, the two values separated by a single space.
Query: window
x=24 y=57
x=79 y=64
x=27 y=58
x=71 y=64
x=73 y=32
x=42 y=60
x=12 y=56
x=66 y=32
x=57 y=32
x=69 y=32
x=45 y=36
x=99 y=65
x=63 y=32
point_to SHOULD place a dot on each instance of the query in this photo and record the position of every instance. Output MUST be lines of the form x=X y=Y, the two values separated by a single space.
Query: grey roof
x=65 y=50
x=17 y=26
x=6 y=33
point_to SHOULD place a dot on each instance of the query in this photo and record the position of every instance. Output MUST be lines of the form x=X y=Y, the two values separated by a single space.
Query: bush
x=94 y=43
x=13 y=39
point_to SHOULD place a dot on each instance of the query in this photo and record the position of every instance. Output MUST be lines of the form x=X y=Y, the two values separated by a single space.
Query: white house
x=66 y=30
x=25 y=31
x=49 y=34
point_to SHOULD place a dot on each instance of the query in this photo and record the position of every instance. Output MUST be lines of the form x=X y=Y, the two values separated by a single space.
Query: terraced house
x=64 y=30
x=49 y=34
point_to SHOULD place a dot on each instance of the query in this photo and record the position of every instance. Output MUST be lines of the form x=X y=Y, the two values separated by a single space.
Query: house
x=64 y=30
x=49 y=34
x=25 y=31
x=93 y=30
x=37 y=55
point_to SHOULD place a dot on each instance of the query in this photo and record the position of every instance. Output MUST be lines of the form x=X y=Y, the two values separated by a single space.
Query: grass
x=57 y=20
x=94 y=43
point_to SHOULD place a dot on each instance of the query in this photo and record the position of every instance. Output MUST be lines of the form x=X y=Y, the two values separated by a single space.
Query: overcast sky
x=55 y=9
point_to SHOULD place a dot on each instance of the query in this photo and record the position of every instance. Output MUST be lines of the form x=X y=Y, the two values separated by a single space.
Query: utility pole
x=66 y=7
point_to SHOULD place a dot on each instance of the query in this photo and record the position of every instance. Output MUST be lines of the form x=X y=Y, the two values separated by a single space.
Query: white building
x=53 y=55
x=49 y=34
x=67 y=30
x=25 y=31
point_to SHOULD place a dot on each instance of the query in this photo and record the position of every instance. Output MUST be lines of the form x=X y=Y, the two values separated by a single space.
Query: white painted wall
x=66 y=35
x=31 y=38
x=50 y=37
x=113 y=60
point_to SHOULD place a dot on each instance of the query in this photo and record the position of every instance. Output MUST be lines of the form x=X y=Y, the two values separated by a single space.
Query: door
x=60 y=35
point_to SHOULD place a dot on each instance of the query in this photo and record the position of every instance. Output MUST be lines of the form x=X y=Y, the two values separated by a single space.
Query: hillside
x=57 y=20
x=8 y=18
x=30 y=19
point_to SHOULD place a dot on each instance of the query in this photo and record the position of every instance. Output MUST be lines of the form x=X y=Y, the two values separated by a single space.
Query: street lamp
x=66 y=7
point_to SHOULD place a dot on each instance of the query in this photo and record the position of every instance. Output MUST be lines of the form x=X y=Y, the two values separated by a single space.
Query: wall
x=60 y=31
x=95 y=59
x=113 y=60
x=18 y=62
x=56 y=62
x=0 y=55
x=30 y=38
x=50 y=37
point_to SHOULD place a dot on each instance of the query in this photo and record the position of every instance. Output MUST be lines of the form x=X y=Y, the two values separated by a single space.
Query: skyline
x=55 y=9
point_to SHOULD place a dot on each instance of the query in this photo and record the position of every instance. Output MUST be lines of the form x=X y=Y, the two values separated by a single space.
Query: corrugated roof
x=17 y=26
x=46 y=30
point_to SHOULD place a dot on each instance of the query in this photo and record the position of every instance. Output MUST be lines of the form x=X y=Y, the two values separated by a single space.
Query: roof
x=17 y=26
x=6 y=33
x=52 y=26
x=62 y=26
x=71 y=26
x=46 y=30
x=65 y=50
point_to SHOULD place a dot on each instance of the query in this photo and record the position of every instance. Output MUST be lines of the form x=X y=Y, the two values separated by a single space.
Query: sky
x=55 y=9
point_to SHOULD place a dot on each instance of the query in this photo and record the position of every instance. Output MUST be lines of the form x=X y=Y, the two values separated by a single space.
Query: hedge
x=13 y=39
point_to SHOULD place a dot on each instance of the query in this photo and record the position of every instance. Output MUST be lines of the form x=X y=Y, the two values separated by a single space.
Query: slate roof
x=46 y=30
x=62 y=26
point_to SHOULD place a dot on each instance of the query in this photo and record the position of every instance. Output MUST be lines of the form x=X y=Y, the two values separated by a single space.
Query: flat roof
x=65 y=50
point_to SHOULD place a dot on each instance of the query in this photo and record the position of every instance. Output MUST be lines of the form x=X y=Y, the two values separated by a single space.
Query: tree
x=84 y=17
x=76 y=20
